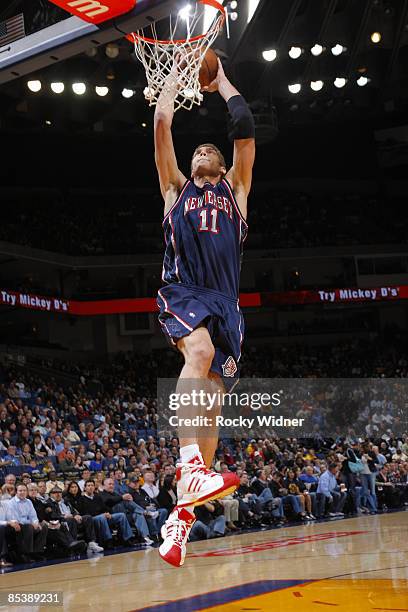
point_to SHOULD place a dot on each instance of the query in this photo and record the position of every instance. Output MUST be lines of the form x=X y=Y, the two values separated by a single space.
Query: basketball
x=209 y=68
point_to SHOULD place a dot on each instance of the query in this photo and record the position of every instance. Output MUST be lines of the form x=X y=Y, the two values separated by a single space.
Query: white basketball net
x=186 y=41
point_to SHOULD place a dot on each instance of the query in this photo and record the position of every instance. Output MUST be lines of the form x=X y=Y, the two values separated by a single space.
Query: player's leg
x=198 y=352
x=196 y=485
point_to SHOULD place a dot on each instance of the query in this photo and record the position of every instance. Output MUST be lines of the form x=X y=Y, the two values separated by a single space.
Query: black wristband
x=243 y=125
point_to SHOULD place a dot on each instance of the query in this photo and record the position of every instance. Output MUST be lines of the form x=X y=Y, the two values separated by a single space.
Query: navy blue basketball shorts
x=183 y=308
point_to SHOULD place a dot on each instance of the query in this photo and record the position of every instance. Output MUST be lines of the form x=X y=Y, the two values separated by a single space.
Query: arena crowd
x=82 y=468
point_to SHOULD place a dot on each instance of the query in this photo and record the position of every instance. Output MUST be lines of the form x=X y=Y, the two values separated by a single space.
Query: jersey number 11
x=208 y=225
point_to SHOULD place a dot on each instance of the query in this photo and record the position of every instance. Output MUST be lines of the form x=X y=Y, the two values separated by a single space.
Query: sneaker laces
x=197 y=468
x=177 y=531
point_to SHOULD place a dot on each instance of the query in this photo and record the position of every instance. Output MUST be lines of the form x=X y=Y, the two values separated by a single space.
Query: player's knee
x=200 y=354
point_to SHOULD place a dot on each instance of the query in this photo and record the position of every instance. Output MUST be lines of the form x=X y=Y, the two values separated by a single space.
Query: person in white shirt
x=150 y=486
x=86 y=474
x=3 y=539
x=24 y=526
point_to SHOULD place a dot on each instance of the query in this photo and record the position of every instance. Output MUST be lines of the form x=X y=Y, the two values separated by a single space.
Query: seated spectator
x=24 y=528
x=268 y=498
x=11 y=458
x=103 y=517
x=231 y=509
x=63 y=512
x=65 y=448
x=297 y=487
x=53 y=482
x=38 y=447
x=73 y=495
x=86 y=475
x=146 y=513
x=42 y=491
x=68 y=463
x=3 y=539
x=289 y=502
x=110 y=462
x=7 y=492
x=26 y=455
x=210 y=522
x=58 y=535
x=120 y=486
x=329 y=493
x=167 y=497
x=95 y=465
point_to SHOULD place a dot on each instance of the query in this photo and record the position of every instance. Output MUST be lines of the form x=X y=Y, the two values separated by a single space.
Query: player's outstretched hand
x=215 y=83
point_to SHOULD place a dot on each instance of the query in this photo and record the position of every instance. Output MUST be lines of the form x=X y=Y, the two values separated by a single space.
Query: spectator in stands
x=53 y=482
x=38 y=447
x=24 y=527
x=110 y=462
x=3 y=538
x=7 y=492
x=95 y=465
x=94 y=505
x=42 y=491
x=210 y=522
x=73 y=495
x=58 y=536
x=11 y=458
x=231 y=511
x=68 y=464
x=86 y=475
x=167 y=497
x=329 y=493
x=63 y=453
x=289 y=502
x=63 y=512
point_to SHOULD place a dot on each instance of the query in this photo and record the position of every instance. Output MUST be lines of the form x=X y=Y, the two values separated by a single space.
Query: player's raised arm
x=170 y=177
x=240 y=175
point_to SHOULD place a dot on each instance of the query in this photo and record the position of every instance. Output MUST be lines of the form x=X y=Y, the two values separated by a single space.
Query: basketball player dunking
x=205 y=227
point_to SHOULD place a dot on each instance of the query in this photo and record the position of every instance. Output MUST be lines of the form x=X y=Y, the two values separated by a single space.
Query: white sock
x=190 y=452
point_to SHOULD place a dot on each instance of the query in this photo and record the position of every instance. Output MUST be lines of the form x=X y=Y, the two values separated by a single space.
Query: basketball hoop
x=188 y=40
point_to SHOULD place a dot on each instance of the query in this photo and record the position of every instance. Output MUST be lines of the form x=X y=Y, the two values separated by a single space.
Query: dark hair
x=89 y=480
x=332 y=466
x=72 y=482
x=168 y=481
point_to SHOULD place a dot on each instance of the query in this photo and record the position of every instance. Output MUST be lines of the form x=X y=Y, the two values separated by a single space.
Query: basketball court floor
x=356 y=565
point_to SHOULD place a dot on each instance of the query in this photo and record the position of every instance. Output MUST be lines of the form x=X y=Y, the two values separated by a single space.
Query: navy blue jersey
x=204 y=233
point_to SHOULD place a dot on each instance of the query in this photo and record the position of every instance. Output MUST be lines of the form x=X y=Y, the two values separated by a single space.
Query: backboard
x=74 y=35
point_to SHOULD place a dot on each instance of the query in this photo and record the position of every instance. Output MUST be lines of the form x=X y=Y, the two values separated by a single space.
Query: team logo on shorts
x=230 y=367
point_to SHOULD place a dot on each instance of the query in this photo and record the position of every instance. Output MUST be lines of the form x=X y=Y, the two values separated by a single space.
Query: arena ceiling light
x=362 y=81
x=57 y=87
x=127 y=93
x=269 y=55
x=34 y=86
x=338 y=49
x=316 y=85
x=295 y=88
x=340 y=82
x=295 y=52
x=376 y=37
x=316 y=50
x=79 y=88
x=102 y=90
